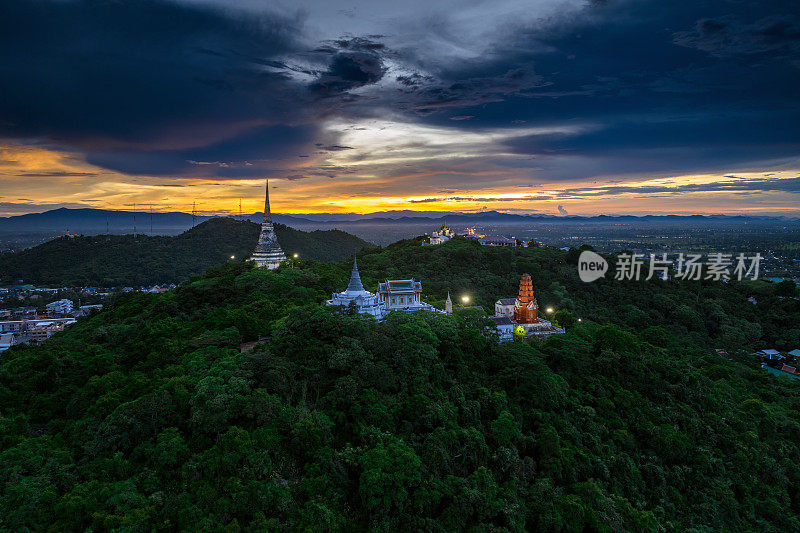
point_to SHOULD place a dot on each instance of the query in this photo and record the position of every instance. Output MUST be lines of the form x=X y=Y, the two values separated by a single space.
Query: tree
x=564 y=318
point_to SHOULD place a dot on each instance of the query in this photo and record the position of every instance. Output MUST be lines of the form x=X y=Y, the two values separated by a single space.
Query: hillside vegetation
x=147 y=416
x=125 y=260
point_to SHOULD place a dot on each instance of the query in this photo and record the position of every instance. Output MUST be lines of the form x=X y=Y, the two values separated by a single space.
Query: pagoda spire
x=355 y=279
x=267 y=212
x=448 y=304
x=268 y=252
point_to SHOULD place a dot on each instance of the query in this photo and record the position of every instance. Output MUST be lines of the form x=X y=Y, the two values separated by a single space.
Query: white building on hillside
x=403 y=295
x=505 y=307
x=443 y=235
x=355 y=294
x=60 y=307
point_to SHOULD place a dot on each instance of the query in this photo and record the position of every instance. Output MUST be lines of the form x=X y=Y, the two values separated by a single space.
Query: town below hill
x=143 y=260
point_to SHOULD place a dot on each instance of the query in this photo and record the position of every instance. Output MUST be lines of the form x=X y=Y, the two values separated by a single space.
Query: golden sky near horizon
x=56 y=178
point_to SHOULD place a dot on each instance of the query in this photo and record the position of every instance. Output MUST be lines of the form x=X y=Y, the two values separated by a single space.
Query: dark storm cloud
x=726 y=36
x=741 y=186
x=660 y=87
x=155 y=87
x=162 y=88
x=738 y=186
x=125 y=71
x=425 y=99
x=354 y=63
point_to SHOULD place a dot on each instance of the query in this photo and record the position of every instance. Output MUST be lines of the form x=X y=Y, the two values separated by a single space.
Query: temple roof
x=355 y=279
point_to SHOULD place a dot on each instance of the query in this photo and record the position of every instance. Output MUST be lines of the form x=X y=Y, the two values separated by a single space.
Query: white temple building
x=443 y=235
x=268 y=252
x=403 y=295
x=365 y=301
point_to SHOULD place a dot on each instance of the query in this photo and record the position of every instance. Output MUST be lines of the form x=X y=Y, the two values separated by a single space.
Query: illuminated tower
x=268 y=252
x=448 y=305
x=526 y=309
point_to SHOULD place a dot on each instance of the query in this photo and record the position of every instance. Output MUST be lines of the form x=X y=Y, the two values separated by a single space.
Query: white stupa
x=268 y=252
x=365 y=301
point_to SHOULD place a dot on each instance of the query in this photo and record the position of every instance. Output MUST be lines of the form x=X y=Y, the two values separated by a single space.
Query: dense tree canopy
x=125 y=260
x=148 y=416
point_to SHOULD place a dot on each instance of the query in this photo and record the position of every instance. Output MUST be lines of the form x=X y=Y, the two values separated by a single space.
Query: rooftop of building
x=392 y=285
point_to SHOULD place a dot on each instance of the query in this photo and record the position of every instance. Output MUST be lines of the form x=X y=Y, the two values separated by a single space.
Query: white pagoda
x=268 y=252
x=365 y=301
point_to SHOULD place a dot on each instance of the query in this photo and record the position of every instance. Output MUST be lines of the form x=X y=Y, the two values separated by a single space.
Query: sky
x=545 y=106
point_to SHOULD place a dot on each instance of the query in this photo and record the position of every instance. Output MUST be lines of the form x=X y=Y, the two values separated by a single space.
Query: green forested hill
x=147 y=416
x=122 y=260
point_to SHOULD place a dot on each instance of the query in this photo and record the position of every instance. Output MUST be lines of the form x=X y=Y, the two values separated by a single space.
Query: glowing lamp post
x=549 y=310
x=296 y=256
x=465 y=300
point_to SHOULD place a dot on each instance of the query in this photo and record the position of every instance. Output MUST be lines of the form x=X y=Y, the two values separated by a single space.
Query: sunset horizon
x=601 y=107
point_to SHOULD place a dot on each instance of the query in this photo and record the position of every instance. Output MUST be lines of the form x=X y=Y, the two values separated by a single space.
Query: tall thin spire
x=267 y=212
x=355 y=279
x=448 y=305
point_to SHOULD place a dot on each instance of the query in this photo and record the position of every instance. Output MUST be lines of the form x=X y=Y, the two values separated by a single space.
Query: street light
x=549 y=310
x=296 y=256
x=465 y=299
x=580 y=320
x=233 y=257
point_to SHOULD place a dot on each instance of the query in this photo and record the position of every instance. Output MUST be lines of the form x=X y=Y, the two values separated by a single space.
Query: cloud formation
x=609 y=90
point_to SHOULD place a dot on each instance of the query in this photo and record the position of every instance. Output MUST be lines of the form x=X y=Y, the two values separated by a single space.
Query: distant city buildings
x=497 y=240
x=780 y=363
x=23 y=312
x=6 y=341
x=59 y=307
x=34 y=330
x=88 y=309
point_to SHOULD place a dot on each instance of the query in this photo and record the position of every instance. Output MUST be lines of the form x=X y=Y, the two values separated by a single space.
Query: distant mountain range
x=98 y=221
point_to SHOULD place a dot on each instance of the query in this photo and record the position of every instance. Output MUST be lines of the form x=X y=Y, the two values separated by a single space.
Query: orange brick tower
x=526 y=309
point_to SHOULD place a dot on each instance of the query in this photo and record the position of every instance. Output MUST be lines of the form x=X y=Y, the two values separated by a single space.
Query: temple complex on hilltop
x=268 y=252
x=443 y=235
x=522 y=314
x=513 y=316
x=393 y=295
x=365 y=301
